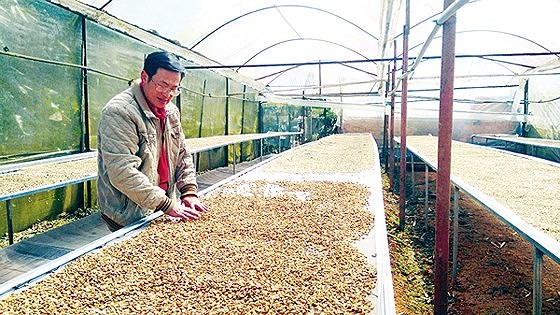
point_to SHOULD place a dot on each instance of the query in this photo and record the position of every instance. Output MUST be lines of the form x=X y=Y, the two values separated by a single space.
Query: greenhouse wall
x=38 y=98
x=44 y=205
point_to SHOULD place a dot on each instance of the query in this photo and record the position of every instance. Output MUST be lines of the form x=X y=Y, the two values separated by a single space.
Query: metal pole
x=404 y=98
x=320 y=80
x=86 y=130
x=278 y=130
x=455 y=231
x=243 y=124
x=392 y=126
x=226 y=131
x=261 y=145
x=86 y=144
x=234 y=156
x=523 y=132
x=386 y=120
x=537 y=281
x=202 y=108
x=441 y=263
x=402 y=186
x=412 y=173
x=9 y=219
x=89 y=201
x=426 y=196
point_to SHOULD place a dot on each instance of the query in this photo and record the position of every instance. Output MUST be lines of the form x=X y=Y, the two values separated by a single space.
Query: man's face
x=160 y=89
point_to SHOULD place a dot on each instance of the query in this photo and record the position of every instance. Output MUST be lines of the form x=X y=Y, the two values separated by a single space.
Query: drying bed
x=529 y=187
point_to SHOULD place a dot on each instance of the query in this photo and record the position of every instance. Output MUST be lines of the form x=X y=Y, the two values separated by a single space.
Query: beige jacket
x=129 y=145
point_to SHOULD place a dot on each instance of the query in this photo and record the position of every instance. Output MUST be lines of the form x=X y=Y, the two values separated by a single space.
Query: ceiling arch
x=277 y=7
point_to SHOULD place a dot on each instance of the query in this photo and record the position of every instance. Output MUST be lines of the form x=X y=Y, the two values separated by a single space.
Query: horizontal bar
x=28 y=192
x=260 y=136
x=554 y=144
x=13 y=167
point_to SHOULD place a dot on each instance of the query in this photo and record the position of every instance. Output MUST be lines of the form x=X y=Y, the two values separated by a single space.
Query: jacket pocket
x=146 y=150
x=147 y=140
x=176 y=138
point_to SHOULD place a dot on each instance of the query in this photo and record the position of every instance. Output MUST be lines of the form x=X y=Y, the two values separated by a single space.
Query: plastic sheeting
x=39 y=102
x=113 y=53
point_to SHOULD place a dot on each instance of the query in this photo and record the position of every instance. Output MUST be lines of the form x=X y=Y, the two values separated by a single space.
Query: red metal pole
x=392 y=125
x=404 y=107
x=441 y=263
x=386 y=120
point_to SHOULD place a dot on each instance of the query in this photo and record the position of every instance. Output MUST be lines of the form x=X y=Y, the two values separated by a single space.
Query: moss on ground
x=410 y=262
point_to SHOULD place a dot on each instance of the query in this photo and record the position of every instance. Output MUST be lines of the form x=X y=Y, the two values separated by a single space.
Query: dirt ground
x=495 y=264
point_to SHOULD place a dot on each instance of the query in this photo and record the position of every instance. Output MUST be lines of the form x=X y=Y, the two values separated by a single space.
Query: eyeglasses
x=164 y=88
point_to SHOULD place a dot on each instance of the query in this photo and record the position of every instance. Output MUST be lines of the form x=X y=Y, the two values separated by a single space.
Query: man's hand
x=184 y=213
x=194 y=203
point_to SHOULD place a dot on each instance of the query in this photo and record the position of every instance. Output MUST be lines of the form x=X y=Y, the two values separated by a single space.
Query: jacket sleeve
x=119 y=146
x=185 y=172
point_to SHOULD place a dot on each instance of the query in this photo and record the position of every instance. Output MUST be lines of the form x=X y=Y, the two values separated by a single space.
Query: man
x=143 y=162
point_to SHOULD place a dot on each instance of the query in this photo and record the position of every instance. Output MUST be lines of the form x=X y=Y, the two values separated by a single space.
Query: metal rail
x=13 y=167
x=519 y=140
x=385 y=290
x=542 y=242
x=250 y=137
x=526 y=143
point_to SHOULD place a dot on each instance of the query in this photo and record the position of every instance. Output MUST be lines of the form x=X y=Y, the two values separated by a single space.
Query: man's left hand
x=194 y=202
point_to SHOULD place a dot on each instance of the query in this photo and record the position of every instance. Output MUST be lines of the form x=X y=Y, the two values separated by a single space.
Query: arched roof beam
x=310 y=39
x=282 y=6
x=500 y=62
x=101 y=8
x=296 y=66
x=282 y=72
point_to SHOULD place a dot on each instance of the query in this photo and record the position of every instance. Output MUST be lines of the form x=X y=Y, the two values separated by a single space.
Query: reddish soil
x=495 y=264
x=496 y=267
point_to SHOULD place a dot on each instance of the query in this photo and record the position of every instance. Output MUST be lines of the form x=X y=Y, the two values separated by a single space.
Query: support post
x=537 y=281
x=404 y=106
x=455 y=231
x=392 y=126
x=9 y=219
x=412 y=174
x=226 y=131
x=426 y=196
x=441 y=257
x=86 y=130
x=261 y=148
x=523 y=132
x=234 y=157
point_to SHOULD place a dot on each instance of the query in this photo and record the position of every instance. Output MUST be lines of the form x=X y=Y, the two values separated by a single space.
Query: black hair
x=165 y=60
